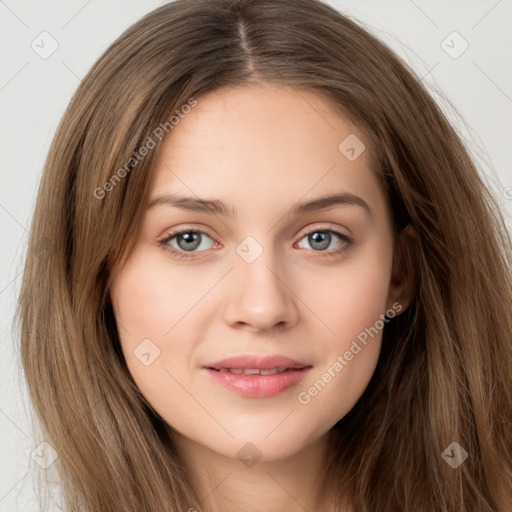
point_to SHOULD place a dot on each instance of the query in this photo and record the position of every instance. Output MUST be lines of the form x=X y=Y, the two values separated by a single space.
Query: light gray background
x=35 y=91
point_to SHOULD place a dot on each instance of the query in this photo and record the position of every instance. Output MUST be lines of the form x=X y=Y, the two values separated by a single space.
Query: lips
x=254 y=376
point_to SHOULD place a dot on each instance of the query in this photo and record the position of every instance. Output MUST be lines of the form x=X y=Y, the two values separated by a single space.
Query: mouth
x=252 y=371
x=257 y=377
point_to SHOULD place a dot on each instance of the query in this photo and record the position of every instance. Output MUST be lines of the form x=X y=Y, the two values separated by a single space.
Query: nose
x=260 y=296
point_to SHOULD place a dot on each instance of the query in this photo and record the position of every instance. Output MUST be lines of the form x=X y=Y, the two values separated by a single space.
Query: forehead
x=262 y=145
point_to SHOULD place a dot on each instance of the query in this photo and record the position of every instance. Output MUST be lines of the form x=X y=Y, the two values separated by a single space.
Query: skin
x=259 y=149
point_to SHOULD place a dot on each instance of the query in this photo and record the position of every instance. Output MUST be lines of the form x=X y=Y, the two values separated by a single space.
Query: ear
x=404 y=275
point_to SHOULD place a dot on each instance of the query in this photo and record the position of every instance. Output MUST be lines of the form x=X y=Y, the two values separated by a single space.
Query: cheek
x=150 y=316
x=353 y=309
x=351 y=297
x=152 y=298
x=149 y=312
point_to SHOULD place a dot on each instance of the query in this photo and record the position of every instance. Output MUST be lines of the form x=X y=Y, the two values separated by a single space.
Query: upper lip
x=245 y=362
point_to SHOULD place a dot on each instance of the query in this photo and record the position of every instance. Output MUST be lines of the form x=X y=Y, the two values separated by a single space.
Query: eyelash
x=190 y=255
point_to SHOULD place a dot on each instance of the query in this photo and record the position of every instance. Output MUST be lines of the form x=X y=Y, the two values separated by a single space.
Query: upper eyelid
x=188 y=230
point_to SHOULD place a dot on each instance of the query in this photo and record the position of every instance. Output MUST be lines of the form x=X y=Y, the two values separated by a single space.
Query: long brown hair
x=445 y=369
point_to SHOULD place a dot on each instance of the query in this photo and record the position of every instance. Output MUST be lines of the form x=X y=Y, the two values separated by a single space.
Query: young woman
x=264 y=274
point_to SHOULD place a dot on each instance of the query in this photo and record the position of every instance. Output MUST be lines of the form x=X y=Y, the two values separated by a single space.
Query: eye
x=185 y=241
x=321 y=239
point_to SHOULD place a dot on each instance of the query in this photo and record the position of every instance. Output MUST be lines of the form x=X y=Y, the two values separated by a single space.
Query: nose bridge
x=259 y=295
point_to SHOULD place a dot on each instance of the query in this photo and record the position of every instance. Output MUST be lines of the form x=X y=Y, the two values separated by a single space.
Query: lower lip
x=258 y=386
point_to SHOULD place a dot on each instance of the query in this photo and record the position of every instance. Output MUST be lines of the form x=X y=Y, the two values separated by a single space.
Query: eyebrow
x=217 y=207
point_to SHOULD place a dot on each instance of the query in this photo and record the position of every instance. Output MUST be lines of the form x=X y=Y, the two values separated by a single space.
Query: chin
x=250 y=451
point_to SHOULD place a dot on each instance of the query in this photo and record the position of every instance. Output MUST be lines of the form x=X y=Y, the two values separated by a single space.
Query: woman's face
x=259 y=275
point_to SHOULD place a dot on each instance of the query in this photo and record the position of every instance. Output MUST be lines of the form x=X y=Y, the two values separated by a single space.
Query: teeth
x=273 y=371
x=247 y=371
x=253 y=371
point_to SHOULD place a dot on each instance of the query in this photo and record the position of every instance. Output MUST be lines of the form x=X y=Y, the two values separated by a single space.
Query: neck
x=225 y=484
